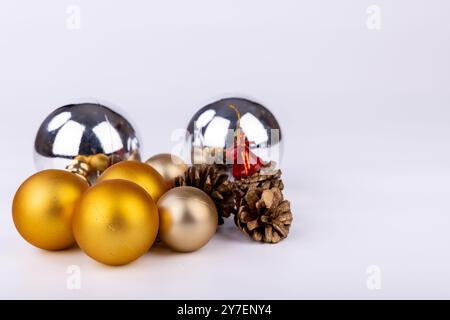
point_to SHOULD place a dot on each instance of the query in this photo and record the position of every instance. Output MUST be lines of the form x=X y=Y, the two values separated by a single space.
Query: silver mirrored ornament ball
x=212 y=129
x=83 y=136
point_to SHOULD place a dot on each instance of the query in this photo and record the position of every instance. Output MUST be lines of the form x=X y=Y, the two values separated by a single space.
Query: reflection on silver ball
x=84 y=129
x=211 y=131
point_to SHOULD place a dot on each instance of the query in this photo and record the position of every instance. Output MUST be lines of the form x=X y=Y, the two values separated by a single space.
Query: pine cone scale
x=280 y=228
x=275 y=238
x=251 y=225
x=268 y=234
x=257 y=236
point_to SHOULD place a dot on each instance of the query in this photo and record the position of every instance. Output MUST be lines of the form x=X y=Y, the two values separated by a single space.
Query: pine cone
x=264 y=215
x=265 y=179
x=213 y=179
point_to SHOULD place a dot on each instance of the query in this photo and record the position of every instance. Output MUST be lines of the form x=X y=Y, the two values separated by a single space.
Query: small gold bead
x=99 y=162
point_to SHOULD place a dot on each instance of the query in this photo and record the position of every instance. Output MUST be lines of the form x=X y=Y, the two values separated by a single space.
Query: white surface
x=365 y=116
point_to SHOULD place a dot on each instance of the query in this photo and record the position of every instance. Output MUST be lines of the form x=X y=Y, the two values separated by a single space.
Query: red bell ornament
x=245 y=162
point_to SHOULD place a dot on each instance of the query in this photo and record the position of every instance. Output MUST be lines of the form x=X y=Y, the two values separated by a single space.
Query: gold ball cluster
x=117 y=219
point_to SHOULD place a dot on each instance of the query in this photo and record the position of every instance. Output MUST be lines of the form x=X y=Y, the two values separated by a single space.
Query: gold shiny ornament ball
x=115 y=222
x=187 y=219
x=169 y=166
x=140 y=173
x=43 y=207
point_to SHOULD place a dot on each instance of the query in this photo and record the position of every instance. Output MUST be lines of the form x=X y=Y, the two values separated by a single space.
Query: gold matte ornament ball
x=43 y=207
x=168 y=165
x=115 y=222
x=140 y=173
x=187 y=219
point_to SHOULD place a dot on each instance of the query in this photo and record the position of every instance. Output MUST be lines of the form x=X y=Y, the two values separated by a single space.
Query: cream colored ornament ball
x=187 y=219
x=43 y=207
x=168 y=165
x=115 y=222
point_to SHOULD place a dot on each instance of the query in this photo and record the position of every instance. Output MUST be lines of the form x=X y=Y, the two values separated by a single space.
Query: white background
x=365 y=115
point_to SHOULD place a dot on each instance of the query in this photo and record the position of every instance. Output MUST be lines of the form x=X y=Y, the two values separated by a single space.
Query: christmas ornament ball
x=84 y=129
x=140 y=173
x=211 y=129
x=187 y=219
x=168 y=165
x=43 y=207
x=115 y=222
